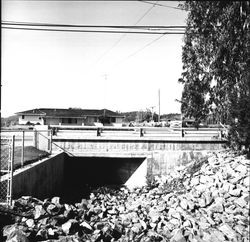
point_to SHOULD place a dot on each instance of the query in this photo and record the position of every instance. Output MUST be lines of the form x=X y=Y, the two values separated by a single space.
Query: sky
x=121 y=72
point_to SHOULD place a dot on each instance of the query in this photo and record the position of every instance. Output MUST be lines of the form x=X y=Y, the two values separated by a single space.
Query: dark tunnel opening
x=84 y=174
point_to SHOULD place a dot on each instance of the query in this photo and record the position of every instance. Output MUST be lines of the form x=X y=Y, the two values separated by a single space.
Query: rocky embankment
x=206 y=201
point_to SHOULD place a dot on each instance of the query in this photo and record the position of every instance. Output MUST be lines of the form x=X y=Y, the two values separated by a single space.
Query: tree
x=149 y=115
x=216 y=65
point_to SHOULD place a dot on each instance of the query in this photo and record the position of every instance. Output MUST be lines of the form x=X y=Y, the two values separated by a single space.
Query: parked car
x=175 y=124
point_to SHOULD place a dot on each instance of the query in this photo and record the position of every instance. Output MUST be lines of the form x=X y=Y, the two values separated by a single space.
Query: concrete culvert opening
x=83 y=174
x=73 y=178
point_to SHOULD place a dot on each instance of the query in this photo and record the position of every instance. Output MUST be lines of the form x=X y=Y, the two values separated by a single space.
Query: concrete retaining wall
x=41 y=179
x=161 y=163
x=101 y=145
x=162 y=155
x=116 y=161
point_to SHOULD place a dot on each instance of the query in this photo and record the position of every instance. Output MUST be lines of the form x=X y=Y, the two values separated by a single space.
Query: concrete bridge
x=110 y=156
x=136 y=141
x=159 y=149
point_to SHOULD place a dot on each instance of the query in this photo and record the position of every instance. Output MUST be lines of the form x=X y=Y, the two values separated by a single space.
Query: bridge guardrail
x=91 y=131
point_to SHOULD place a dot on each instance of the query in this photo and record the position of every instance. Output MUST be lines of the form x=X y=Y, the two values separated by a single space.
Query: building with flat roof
x=70 y=116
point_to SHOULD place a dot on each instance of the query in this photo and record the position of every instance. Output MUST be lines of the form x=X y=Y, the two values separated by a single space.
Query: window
x=23 y=116
x=69 y=120
x=72 y=120
x=112 y=119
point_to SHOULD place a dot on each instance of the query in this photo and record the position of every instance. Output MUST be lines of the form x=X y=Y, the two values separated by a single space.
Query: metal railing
x=91 y=131
x=53 y=143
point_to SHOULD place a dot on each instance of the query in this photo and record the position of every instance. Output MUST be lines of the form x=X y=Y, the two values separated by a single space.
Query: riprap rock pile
x=207 y=200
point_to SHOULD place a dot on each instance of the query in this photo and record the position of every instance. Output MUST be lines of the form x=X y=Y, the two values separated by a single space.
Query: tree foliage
x=140 y=116
x=216 y=65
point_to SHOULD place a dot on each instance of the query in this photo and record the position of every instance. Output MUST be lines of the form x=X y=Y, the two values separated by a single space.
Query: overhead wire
x=121 y=37
x=151 y=42
x=143 y=16
x=141 y=49
x=162 y=5
x=55 y=0
x=162 y=30
x=94 y=26
x=148 y=2
x=90 y=31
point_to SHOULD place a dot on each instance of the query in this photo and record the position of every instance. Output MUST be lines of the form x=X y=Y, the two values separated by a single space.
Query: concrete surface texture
x=41 y=179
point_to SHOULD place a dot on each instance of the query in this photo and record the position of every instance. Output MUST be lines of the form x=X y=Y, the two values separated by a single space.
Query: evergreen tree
x=216 y=65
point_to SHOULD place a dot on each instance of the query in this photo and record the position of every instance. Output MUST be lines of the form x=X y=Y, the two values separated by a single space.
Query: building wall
x=118 y=120
x=53 y=121
x=91 y=120
x=57 y=121
x=80 y=121
x=23 y=119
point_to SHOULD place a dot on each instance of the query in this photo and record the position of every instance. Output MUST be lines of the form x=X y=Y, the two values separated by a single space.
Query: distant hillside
x=12 y=120
x=171 y=116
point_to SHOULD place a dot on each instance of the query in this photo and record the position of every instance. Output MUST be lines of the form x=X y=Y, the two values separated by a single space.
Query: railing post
x=182 y=133
x=54 y=130
x=22 y=157
x=141 y=132
x=98 y=131
x=220 y=134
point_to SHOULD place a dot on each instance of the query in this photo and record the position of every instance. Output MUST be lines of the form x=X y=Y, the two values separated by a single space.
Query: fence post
x=11 y=171
x=50 y=148
x=35 y=138
x=22 y=157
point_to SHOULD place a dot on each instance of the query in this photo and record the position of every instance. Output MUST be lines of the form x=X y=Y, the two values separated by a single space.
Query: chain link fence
x=6 y=170
x=30 y=145
x=20 y=148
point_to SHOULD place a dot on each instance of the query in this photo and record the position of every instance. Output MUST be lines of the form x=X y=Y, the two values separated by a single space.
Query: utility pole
x=152 y=112
x=105 y=83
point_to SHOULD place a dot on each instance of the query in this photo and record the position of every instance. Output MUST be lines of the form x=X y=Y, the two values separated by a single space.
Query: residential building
x=71 y=116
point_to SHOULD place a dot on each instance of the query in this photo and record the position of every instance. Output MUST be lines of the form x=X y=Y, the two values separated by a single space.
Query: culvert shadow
x=83 y=174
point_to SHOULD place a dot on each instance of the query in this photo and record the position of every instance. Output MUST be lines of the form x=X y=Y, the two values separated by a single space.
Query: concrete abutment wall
x=62 y=174
x=41 y=179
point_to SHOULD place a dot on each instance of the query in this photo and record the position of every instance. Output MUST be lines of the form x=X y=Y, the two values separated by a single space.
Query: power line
x=139 y=20
x=141 y=49
x=150 y=27
x=162 y=5
x=49 y=0
x=148 y=2
x=89 y=31
x=121 y=37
